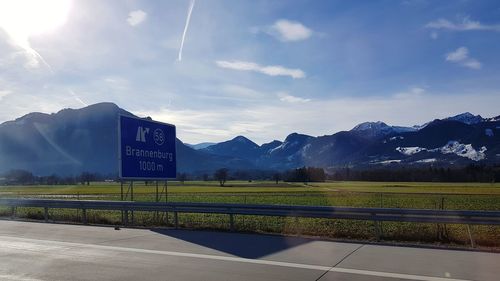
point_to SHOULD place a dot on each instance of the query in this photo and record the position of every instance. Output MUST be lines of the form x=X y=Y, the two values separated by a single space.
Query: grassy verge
x=457 y=196
x=487 y=236
x=260 y=187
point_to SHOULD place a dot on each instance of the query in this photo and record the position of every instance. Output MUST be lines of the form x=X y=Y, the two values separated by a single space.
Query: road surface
x=38 y=251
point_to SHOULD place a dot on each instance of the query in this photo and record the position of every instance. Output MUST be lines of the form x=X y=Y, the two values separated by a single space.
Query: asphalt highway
x=38 y=251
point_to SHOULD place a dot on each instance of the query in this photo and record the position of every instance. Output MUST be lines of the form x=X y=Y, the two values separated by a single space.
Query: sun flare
x=21 y=19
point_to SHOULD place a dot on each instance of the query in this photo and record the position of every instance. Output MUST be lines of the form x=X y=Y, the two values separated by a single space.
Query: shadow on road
x=250 y=246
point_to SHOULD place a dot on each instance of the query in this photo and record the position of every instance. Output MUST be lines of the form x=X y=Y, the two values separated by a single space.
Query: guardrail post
x=46 y=214
x=176 y=220
x=472 y=242
x=84 y=216
x=13 y=212
x=377 y=230
x=125 y=222
x=132 y=199
x=231 y=222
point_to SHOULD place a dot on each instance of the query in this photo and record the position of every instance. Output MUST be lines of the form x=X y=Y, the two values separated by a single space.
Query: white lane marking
x=12 y=277
x=392 y=275
x=5 y=243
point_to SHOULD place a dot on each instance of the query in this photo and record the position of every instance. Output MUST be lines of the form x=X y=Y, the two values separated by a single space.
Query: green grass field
x=263 y=187
x=458 y=196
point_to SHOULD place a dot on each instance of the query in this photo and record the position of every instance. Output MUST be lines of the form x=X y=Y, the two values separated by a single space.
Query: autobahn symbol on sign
x=146 y=149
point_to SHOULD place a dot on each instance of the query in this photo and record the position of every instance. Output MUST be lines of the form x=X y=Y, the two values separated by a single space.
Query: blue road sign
x=146 y=149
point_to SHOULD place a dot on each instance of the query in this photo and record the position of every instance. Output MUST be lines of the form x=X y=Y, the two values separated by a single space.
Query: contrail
x=190 y=10
x=31 y=53
x=77 y=98
x=35 y=54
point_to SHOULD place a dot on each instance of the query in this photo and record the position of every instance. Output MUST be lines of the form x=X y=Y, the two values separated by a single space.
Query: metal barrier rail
x=373 y=214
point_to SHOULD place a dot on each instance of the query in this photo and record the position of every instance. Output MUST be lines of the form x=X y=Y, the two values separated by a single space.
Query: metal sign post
x=166 y=201
x=146 y=151
x=121 y=197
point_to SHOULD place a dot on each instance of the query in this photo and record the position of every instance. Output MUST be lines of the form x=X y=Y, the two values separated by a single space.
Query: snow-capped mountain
x=467 y=118
x=239 y=146
x=493 y=119
x=379 y=128
x=72 y=141
x=287 y=154
x=447 y=142
x=457 y=140
x=199 y=146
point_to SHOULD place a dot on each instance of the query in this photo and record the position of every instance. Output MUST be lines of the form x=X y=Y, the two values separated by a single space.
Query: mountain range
x=75 y=140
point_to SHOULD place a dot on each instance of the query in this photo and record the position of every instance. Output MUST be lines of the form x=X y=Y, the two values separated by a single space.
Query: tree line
x=23 y=177
x=304 y=174
x=470 y=173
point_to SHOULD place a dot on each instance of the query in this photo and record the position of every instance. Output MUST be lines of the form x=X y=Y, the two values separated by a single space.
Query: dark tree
x=182 y=177
x=53 y=179
x=277 y=177
x=86 y=178
x=306 y=175
x=221 y=176
x=316 y=174
x=205 y=177
x=20 y=177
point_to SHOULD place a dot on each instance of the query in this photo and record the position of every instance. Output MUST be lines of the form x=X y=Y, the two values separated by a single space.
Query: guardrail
x=373 y=214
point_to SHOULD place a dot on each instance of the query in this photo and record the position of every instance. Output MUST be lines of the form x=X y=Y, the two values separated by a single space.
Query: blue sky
x=262 y=69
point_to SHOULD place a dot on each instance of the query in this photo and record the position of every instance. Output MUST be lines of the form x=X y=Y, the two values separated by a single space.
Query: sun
x=21 y=19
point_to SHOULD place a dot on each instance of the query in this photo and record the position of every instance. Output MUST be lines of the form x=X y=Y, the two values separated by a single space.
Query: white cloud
x=240 y=91
x=414 y=3
x=275 y=120
x=413 y=92
x=271 y=70
x=171 y=43
x=292 y=99
x=116 y=82
x=472 y=63
x=417 y=90
x=286 y=30
x=136 y=17
x=461 y=56
x=194 y=126
x=15 y=105
x=4 y=94
x=225 y=92
x=465 y=25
